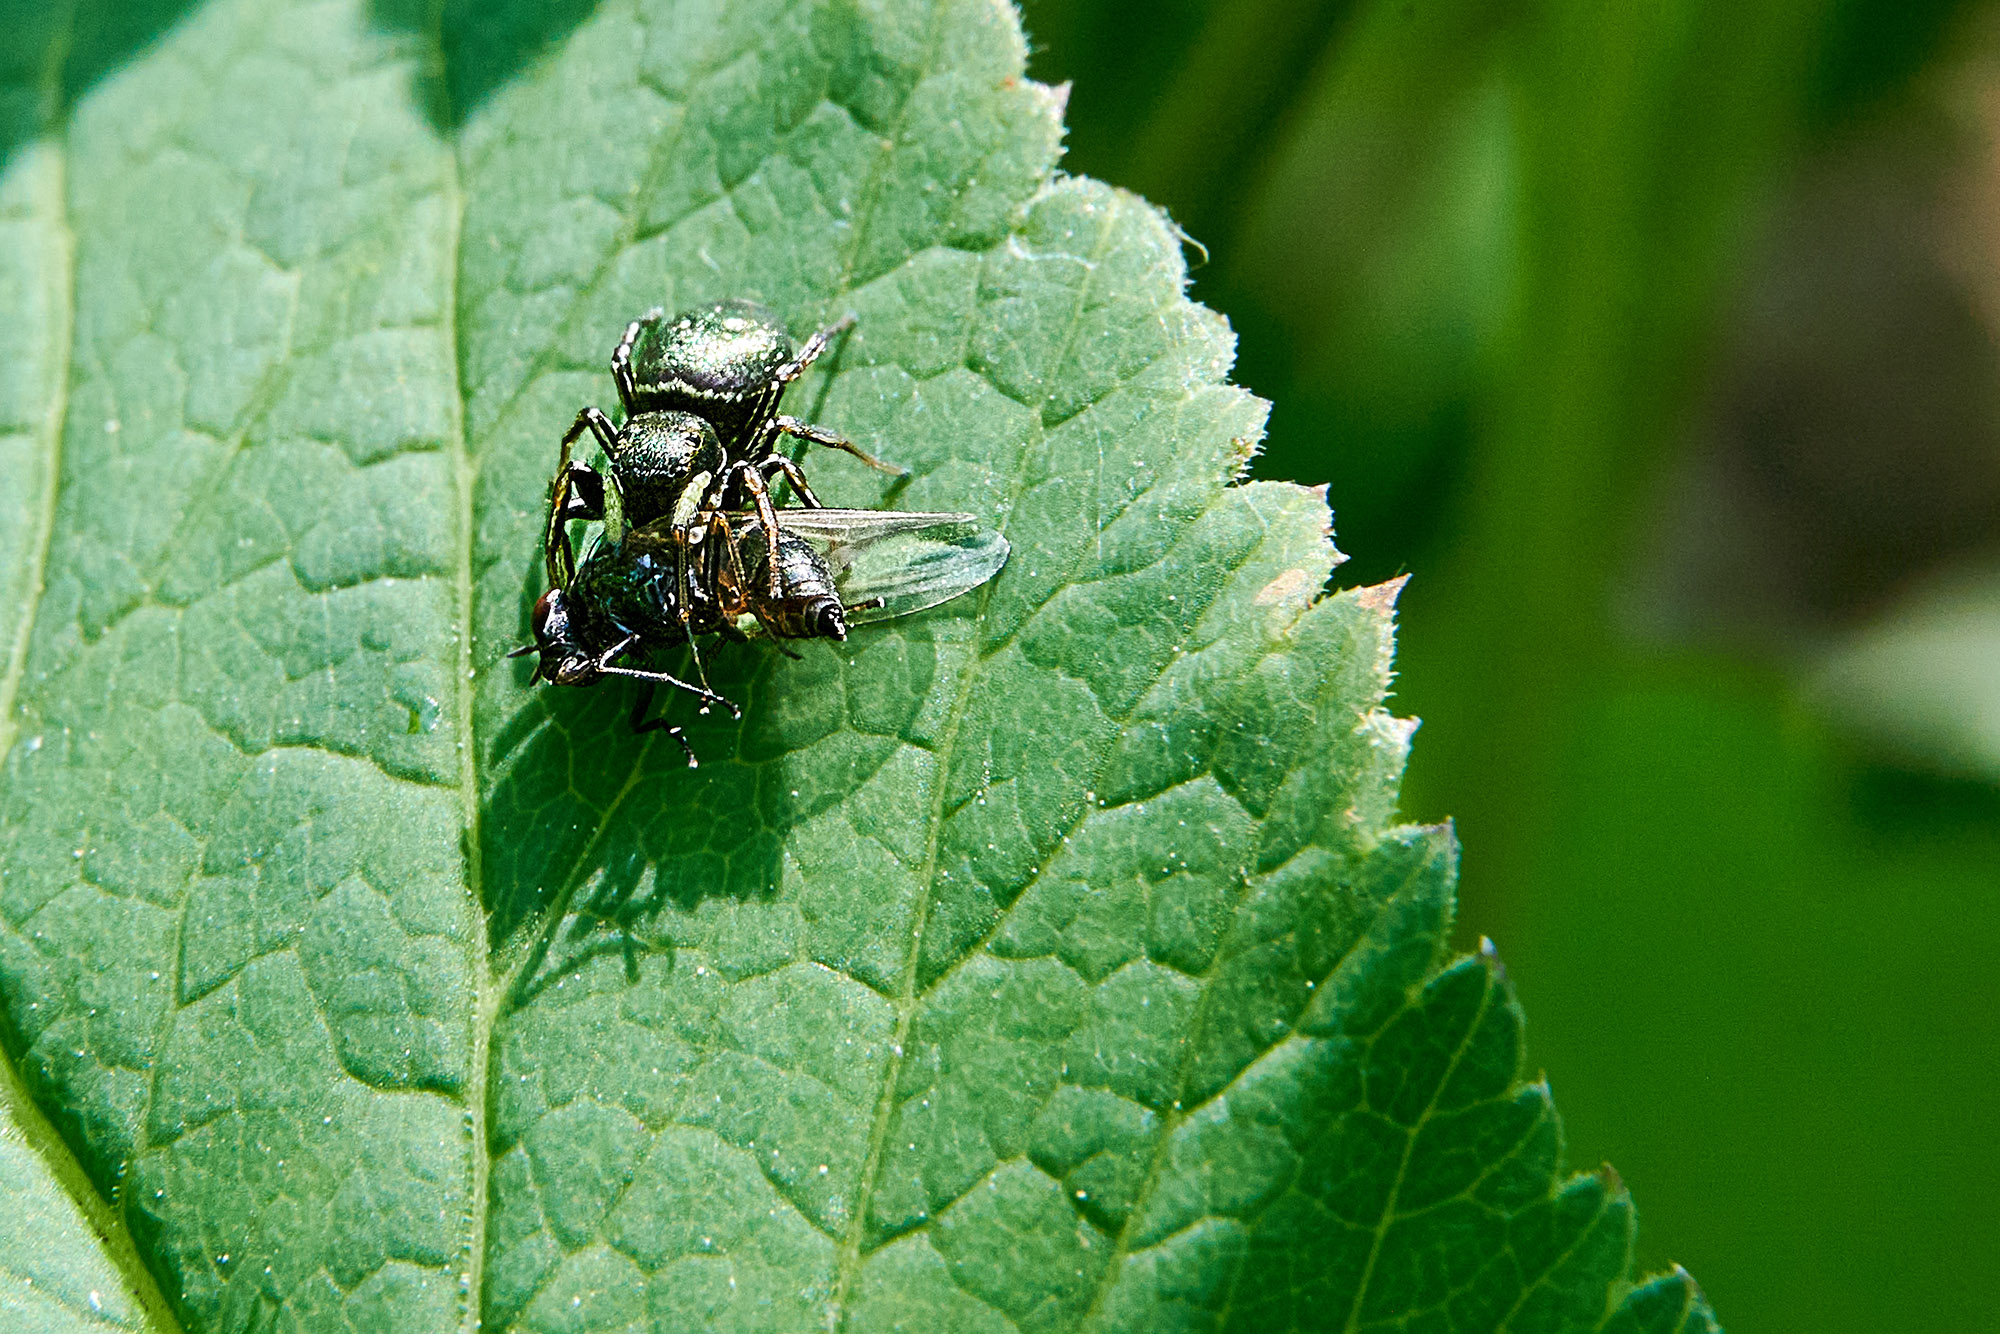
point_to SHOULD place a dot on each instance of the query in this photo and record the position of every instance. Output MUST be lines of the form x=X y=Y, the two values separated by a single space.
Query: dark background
x=1656 y=342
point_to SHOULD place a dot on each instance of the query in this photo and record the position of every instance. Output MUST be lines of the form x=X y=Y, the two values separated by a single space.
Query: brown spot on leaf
x=1284 y=588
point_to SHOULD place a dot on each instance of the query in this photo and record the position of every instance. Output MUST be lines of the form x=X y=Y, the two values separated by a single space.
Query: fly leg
x=732 y=561
x=742 y=599
x=663 y=678
x=705 y=695
x=610 y=655
x=697 y=579
x=683 y=604
x=641 y=724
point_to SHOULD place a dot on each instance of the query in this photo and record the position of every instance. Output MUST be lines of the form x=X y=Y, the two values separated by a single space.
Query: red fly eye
x=551 y=618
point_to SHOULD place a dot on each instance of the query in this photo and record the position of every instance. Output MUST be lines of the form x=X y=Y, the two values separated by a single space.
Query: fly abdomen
x=808 y=604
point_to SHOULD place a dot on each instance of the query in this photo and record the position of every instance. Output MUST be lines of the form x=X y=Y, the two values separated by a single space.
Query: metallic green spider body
x=722 y=363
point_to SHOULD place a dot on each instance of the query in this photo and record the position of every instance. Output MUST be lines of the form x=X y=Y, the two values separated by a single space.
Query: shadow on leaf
x=485 y=43
x=53 y=55
x=592 y=830
x=595 y=840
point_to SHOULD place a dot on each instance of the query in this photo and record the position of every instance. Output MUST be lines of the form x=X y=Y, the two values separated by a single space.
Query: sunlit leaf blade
x=1048 y=960
x=240 y=956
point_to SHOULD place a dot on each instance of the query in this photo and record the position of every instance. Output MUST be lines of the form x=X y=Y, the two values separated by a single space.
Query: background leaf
x=1050 y=961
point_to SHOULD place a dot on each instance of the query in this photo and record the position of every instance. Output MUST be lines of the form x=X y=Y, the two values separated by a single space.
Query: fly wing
x=837 y=527
x=905 y=561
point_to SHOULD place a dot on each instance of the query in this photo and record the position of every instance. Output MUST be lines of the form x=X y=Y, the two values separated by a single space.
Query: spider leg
x=574 y=492
x=621 y=360
x=794 y=475
x=586 y=493
x=819 y=435
x=808 y=354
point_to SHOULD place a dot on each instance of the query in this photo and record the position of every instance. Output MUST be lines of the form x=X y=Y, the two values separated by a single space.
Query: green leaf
x=1049 y=961
x=64 y=1268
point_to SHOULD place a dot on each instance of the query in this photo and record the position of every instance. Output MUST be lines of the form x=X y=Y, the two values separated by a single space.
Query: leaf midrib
x=55 y=419
x=511 y=991
x=497 y=998
x=550 y=358
x=485 y=995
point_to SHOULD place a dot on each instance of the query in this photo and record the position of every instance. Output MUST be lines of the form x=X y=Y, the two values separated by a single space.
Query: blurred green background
x=1658 y=343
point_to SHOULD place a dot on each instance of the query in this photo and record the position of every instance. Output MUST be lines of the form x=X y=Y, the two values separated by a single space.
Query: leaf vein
x=851 y=1249
x=485 y=997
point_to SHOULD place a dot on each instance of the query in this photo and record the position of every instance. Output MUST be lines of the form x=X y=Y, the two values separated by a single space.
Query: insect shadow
x=592 y=832
x=595 y=841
